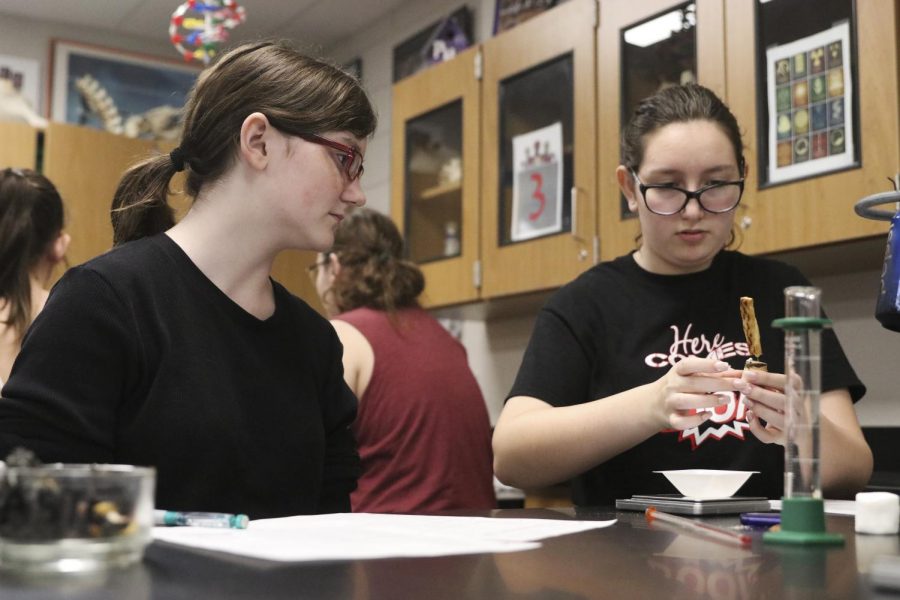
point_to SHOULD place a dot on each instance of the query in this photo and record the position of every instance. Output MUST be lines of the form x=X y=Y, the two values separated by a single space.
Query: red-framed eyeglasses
x=351 y=159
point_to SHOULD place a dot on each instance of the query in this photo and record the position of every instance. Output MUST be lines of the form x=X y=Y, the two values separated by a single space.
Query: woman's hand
x=764 y=397
x=690 y=386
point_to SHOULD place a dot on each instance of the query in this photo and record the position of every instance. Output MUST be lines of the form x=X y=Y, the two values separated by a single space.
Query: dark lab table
x=628 y=560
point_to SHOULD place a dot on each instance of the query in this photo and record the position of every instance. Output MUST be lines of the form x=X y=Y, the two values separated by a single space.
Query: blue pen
x=174 y=518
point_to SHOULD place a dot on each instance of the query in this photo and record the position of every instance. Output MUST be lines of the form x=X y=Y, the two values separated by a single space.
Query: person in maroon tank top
x=423 y=430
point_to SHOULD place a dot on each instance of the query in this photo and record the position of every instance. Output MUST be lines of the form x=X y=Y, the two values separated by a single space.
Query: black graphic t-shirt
x=617 y=327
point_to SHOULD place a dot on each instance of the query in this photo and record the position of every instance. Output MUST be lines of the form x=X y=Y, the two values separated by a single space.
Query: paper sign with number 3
x=537 y=183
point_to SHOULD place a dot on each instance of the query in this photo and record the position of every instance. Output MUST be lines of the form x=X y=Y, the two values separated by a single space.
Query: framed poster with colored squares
x=810 y=101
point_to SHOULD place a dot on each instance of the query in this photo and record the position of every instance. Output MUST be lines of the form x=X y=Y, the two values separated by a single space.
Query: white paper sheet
x=362 y=536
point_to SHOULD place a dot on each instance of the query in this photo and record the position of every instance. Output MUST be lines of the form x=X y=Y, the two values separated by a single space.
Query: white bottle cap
x=877 y=512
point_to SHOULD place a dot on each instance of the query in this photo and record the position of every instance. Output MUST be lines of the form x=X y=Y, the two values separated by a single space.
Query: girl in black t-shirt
x=589 y=402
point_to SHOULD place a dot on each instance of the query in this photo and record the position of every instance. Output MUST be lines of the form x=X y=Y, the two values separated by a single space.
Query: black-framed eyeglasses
x=666 y=199
x=351 y=159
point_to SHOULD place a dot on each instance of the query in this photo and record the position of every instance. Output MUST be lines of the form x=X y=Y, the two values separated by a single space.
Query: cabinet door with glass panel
x=538 y=130
x=435 y=175
x=815 y=86
x=643 y=47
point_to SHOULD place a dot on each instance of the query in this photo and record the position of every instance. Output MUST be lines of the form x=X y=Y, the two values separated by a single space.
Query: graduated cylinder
x=803 y=367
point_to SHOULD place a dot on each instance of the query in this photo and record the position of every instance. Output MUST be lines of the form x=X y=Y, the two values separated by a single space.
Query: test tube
x=803 y=357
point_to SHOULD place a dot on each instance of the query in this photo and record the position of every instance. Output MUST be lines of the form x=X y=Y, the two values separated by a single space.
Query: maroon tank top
x=423 y=429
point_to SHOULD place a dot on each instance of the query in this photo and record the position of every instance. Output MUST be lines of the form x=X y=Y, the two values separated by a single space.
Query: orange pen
x=718 y=533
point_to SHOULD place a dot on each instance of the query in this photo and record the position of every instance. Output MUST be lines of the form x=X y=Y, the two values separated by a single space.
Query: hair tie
x=177 y=158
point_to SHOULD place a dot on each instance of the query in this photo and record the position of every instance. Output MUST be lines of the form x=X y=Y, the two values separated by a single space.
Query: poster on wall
x=22 y=76
x=121 y=92
x=537 y=183
x=810 y=100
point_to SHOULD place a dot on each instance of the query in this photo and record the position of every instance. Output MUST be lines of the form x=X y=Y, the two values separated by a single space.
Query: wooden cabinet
x=18 y=145
x=819 y=210
x=613 y=65
x=85 y=165
x=540 y=73
x=436 y=174
x=706 y=46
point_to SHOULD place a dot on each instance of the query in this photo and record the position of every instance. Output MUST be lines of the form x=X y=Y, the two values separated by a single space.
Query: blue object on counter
x=887 y=310
x=760 y=520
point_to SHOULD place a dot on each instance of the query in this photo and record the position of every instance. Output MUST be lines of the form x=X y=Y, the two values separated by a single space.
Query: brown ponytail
x=140 y=205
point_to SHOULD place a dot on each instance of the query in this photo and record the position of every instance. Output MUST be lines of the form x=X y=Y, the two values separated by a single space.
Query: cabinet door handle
x=574 y=207
x=576 y=234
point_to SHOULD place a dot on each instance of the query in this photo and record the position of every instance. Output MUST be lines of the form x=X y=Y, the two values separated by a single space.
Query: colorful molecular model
x=197 y=27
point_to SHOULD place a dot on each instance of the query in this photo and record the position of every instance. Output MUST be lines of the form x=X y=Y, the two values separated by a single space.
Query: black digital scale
x=678 y=504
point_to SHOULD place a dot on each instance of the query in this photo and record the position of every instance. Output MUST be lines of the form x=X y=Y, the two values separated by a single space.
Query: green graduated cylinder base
x=803 y=522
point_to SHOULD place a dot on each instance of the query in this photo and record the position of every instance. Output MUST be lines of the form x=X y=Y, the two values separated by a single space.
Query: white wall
x=873 y=350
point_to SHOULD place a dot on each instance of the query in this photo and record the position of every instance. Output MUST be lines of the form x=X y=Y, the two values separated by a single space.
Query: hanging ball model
x=197 y=27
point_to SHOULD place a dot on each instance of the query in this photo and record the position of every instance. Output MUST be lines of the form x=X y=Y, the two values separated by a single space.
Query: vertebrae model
x=161 y=122
x=97 y=100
